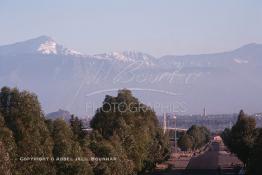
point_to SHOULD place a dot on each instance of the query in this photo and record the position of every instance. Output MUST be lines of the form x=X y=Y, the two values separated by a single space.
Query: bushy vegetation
x=123 y=129
x=245 y=140
x=195 y=138
x=28 y=134
x=136 y=132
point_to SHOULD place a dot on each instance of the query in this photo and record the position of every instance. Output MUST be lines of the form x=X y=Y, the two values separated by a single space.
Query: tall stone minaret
x=204 y=112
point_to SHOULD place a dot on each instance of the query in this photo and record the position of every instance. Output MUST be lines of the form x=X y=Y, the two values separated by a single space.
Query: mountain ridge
x=222 y=82
x=118 y=55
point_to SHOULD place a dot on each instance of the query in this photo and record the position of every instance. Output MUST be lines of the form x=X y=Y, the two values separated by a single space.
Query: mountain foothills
x=66 y=79
x=120 y=143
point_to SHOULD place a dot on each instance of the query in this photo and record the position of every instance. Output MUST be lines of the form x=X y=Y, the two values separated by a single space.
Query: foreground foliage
x=245 y=140
x=132 y=138
x=136 y=132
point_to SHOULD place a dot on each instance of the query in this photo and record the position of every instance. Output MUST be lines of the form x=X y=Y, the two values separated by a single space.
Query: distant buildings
x=217 y=139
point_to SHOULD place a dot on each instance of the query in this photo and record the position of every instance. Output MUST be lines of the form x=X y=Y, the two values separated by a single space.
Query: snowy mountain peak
x=41 y=45
x=128 y=56
x=48 y=47
x=137 y=55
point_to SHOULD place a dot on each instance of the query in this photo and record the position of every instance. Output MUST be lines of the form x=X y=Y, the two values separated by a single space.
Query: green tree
x=23 y=116
x=200 y=135
x=8 y=144
x=243 y=136
x=77 y=128
x=185 y=142
x=240 y=139
x=137 y=128
x=80 y=135
x=254 y=166
x=5 y=161
x=226 y=136
x=112 y=148
x=65 y=146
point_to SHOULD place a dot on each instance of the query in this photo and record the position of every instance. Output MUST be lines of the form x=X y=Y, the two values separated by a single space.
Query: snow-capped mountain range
x=45 y=45
x=65 y=78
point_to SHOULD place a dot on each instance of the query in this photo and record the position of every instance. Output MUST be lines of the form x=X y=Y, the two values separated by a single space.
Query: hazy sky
x=157 y=27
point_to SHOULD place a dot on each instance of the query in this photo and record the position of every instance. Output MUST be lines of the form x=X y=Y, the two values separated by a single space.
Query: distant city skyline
x=154 y=27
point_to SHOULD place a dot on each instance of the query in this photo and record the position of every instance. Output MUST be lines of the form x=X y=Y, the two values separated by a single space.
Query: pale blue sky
x=157 y=27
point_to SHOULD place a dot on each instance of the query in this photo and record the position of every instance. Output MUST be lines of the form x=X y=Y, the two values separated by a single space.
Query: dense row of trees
x=195 y=138
x=245 y=140
x=129 y=134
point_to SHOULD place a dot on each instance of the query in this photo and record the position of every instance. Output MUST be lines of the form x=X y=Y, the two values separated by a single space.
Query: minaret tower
x=204 y=112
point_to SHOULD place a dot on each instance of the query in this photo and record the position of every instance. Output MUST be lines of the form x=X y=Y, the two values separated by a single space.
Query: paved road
x=216 y=160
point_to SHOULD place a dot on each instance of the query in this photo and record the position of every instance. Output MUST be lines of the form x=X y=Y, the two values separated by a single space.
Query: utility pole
x=164 y=123
x=175 y=133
